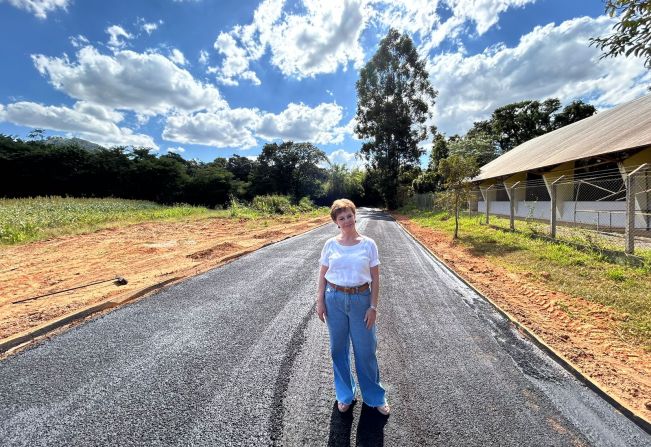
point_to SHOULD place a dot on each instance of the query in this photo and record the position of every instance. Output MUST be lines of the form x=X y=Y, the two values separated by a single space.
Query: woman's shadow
x=370 y=428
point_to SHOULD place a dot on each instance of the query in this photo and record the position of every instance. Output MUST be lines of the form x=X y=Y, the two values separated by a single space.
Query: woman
x=347 y=299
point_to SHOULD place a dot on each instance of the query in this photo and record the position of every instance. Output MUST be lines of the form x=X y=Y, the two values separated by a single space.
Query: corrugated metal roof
x=623 y=127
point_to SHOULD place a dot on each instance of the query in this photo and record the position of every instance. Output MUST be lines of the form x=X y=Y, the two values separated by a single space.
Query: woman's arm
x=320 y=294
x=371 y=313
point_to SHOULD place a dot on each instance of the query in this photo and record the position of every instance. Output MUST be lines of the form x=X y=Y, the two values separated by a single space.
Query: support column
x=552 y=214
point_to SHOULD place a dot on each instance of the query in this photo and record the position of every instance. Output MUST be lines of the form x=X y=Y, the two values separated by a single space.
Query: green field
x=25 y=220
x=583 y=273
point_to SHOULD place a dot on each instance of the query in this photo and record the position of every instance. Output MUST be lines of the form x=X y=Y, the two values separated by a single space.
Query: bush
x=273 y=204
x=306 y=204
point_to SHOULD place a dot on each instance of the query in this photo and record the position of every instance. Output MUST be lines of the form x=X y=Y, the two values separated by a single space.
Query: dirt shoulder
x=144 y=254
x=583 y=332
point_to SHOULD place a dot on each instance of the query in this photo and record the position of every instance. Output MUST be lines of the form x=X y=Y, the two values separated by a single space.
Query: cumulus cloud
x=348 y=159
x=176 y=150
x=550 y=61
x=320 y=40
x=235 y=64
x=485 y=13
x=39 y=8
x=222 y=128
x=423 y=18
x=87 y=121
x=242 y=127
x=299 y=122
x=147 y=83
x=117 y=36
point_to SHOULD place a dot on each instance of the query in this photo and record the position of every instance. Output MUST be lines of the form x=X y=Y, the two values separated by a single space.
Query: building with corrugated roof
x=587 y=162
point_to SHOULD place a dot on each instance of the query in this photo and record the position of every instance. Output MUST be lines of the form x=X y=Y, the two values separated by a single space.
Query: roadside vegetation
x=31 y=219
x=589 y=274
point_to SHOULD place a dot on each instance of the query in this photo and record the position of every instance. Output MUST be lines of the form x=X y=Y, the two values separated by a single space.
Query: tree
x=393 y=99
x=479 y=146
x=632 y=34
x=573 y=112
x=456 y=171
x=36 y=134
x=430 y=180
x=290 y=168
x=343 y=182
x=516 y=123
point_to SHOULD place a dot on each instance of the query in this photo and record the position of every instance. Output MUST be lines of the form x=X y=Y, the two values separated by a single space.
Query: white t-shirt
x=349 y=266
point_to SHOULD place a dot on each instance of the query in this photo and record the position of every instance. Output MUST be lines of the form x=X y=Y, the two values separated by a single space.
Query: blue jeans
x=345 y=317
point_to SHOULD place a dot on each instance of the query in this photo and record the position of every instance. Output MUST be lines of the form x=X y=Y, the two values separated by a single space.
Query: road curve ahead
x=236 y=356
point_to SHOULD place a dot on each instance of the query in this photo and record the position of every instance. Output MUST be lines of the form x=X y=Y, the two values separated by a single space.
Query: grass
x=26 y=220
x=562 y=267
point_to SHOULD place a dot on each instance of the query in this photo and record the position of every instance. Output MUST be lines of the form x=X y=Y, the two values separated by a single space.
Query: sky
x=213 y=78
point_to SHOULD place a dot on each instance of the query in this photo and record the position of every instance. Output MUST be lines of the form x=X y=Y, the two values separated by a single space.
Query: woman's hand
x=369 y=318
x=321 y=309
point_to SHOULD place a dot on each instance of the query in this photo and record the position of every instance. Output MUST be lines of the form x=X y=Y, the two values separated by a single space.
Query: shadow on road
x=370 y=429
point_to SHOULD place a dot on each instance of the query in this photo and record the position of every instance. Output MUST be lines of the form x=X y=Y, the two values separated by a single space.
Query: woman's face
x=346 y=219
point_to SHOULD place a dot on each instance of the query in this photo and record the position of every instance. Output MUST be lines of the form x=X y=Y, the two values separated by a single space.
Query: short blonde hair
x=341 y=205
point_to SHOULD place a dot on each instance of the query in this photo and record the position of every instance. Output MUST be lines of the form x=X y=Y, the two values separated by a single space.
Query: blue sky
x=208 y=78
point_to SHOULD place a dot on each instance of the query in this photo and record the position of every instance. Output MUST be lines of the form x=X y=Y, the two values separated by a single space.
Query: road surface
x=236 y=356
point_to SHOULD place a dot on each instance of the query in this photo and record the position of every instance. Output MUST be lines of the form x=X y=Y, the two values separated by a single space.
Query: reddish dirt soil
x=590 y=343
x=145 y=254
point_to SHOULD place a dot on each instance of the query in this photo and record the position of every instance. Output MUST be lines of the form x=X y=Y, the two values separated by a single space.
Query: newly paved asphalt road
x=236 y=356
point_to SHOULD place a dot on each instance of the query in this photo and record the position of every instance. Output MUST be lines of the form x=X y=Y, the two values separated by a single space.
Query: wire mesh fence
x=609 y=208
x=606 y=208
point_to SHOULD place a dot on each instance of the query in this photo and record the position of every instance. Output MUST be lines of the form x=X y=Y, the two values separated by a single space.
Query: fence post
x=552 y=214
x=629 y=231
x=512 y=206
x=488 y=201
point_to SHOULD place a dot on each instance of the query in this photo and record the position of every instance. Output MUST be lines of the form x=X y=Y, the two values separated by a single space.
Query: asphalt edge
x=22 y=338
x=566 y=364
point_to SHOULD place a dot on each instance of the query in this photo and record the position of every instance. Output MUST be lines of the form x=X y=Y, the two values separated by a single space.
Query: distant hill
x=75 y=142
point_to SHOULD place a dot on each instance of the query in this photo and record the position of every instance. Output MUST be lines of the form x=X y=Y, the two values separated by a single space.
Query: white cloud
x=235 y=64
x=550 y=61
x=78 y=41
x=149 y=27
x=242 y=127
x=320 y=41
x=485 y=13
x=222 y=128
x=117 y=34
x=422 y=17
x=325 y=37
x=39 y=8
x=203 y=57
x=147 y=83
x=176 y=150
x=177 y=56
x=299 y=122
x=91 y=122
x=348 y=159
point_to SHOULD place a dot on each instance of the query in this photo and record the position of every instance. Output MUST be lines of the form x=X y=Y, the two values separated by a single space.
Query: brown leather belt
x=350 y=290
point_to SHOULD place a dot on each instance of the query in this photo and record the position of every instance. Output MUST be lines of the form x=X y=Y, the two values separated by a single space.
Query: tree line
x=35 y=168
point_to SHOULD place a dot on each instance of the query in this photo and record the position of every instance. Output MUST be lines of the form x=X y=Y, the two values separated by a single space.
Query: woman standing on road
x=347 y=300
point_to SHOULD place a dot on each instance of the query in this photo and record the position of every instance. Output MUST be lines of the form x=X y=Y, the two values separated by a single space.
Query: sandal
x=342 y=407
x=384 y=409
